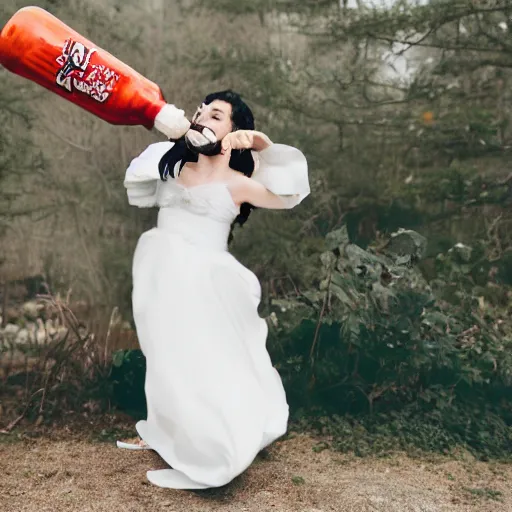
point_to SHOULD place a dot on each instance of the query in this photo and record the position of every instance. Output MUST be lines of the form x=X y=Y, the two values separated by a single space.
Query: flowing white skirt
x=214 y=399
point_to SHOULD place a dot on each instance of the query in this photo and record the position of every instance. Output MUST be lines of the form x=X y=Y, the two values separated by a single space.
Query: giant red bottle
x=38 y=46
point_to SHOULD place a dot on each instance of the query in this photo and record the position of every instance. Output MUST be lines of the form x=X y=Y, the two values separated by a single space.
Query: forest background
x=387 y=291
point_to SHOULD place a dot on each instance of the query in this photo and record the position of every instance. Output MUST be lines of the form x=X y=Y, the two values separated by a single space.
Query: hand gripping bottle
x=38 y=46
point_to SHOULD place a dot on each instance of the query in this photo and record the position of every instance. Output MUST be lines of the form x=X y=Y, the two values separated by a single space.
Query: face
x=216 y=116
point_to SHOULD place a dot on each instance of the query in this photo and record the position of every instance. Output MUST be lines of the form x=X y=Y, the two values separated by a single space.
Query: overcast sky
x=400 y=63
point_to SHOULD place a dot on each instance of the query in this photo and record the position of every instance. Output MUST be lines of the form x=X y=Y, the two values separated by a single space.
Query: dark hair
x=241 y=160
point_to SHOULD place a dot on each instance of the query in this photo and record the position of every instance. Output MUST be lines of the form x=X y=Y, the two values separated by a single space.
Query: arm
x=281 y=170
x=142 y=176
x=247 y=190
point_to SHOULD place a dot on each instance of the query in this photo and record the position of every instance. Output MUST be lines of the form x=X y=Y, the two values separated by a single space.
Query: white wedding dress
x=214 y=399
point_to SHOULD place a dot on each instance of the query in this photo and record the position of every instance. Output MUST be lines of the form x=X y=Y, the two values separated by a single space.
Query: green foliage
x=489 y=494
x=414 y=430
x=111 y=435
x=127 y=381
x=298 y=480
x=378 y=343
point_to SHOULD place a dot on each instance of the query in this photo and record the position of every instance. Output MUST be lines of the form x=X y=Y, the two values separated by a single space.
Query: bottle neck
x=147 y=101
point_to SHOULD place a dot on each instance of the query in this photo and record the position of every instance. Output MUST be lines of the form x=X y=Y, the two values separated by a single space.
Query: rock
x=32 y=309
x=463 y=252
x=8 y=335
x=22 y=337
x=406 y=242
x=10 y=330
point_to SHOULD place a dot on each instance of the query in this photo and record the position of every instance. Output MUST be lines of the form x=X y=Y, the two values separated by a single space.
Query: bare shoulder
x=237 y=181
x=239 y=186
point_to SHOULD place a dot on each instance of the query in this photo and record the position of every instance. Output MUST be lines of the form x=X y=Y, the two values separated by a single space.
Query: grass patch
x=111 y=435
x=458 y=436
x=484 y=493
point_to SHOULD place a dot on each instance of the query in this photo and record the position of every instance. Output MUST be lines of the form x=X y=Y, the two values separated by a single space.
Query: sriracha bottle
x=36 y=45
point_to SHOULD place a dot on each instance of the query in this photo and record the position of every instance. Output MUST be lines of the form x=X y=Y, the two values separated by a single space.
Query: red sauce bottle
x=36 y=45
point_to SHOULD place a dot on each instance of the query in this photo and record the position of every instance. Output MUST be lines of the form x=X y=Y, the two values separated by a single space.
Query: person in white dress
x=214 y=400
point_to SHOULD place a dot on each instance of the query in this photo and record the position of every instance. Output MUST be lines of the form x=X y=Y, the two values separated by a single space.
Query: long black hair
x=241 y=160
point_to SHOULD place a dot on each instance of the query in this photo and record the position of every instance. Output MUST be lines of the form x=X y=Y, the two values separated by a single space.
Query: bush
x=377 y=343
x=127 y=380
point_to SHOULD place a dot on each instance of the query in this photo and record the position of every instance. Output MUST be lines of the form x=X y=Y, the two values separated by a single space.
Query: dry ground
x=64 y=471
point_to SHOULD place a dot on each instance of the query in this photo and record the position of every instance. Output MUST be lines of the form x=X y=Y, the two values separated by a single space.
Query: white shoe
x=133 y=446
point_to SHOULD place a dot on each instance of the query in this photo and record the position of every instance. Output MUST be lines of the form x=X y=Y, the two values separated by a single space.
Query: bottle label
x=78 y=73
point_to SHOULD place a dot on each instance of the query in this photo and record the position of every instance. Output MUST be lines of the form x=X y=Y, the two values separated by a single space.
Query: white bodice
x=201 y=215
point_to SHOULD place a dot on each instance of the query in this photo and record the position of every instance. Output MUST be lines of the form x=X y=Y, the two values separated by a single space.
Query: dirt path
x=76 y=475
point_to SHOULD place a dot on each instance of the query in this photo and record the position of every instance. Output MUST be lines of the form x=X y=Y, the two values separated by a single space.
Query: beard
x=209 y=149
x=201 y=140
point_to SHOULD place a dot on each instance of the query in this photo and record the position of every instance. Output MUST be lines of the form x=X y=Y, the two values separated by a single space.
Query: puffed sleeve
x=142 y=178
x=283 y=170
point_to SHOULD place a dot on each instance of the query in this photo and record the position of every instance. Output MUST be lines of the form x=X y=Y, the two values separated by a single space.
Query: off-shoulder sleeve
x=284 y=171
x=142 y=176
